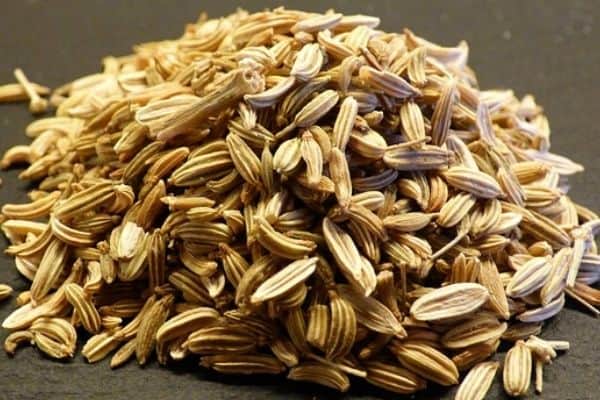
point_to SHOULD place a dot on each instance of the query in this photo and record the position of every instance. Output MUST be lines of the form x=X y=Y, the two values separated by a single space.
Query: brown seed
x=146 y=335
x=5 y=291
x=320 y=374
x=342 y=328
x=348 y=258
x=442 y=114
x=317 y=328
x=220 y=340
x=427 y=362
x=393 y=378
x=49 y=270
x=284 y=280
x=478 y=329
x=344 y=123
x=371 y=313
x=82 y=304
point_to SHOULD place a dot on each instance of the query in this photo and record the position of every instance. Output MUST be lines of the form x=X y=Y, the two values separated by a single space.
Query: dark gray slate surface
x=547 y=48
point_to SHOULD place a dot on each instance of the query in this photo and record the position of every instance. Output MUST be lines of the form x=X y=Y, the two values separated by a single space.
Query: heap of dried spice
x=297 y=194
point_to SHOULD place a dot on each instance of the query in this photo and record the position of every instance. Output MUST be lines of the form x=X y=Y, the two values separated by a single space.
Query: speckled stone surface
x=547 y=48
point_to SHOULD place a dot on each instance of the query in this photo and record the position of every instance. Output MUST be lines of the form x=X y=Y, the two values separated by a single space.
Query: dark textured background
x=547 y=48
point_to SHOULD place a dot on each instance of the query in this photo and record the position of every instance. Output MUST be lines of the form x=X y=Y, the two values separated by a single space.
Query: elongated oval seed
x=5 y=291
x=478 y=381
x=480 y=328
x=556 y=281
x=346 y=254
x=123 y=354
x=317 y=329
x=455 y=209
x=285 y=351
x=313 y=158
x=220 y=339
x=427 y=362
x=474 y=182
x=442 y=114
x=412 y=121
x=321 y=374
x=243 y=364
x=317 y=23
x=99 y=346
x=271 y=95
x=316 y=108
x=287 y=156
x=285 y=280
x=424 y=158
x=371 y=313
x=517 y=370
x=309 y=61
x=391 y=84
x=244 y=159
x=393 y=378
x=146 y=335
x=545 y=312
x=344 y=123
x=340 y=174
x=342 y=328
x=490 y=278
x=409 y=222
x=450 y=301
x=529 y=277
x=186 y=322
x=280 y=244
x=474 y=354
x=49 y=270
x=89 y=316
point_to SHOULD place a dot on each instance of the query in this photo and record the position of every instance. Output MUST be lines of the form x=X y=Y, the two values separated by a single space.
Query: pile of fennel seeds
x=297 y=194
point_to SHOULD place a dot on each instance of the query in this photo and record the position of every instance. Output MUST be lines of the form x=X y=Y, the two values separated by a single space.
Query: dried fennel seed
x=302 y=194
